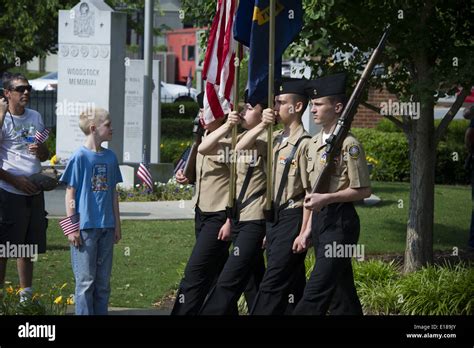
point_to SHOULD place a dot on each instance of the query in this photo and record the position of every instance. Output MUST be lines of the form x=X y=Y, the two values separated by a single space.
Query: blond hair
x=92 y=116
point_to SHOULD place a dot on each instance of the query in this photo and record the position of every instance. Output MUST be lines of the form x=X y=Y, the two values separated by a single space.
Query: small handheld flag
x=41 y=137
x=182 y=160
x=70 y=224
x=144 y=174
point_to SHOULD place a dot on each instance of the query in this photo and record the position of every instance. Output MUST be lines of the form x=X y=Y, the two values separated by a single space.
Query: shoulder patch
x=354 y=151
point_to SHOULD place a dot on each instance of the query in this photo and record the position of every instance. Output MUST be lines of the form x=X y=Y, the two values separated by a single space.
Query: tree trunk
x=422 y=147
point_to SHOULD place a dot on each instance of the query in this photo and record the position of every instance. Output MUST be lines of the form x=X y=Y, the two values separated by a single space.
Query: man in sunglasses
x=23 y=220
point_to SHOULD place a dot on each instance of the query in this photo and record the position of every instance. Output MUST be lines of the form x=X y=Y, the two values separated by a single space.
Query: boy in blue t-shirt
x=93 y=223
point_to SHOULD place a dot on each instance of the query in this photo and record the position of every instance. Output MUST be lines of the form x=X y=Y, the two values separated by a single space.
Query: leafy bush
x=54 y=303
x=172 y=149
x=390 y=149
x=439 y=290
x=455 y=131
x=177 y=128
x=387 y=126
x=170 y=191
x=433 y=290
x=184 y=109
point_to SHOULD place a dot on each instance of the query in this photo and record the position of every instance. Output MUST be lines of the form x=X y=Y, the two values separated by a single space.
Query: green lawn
x=149 y=261
x=383 y=227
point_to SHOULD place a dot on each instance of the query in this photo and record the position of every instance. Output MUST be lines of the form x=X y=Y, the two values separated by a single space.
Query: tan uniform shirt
x=257 y=157
x=351 y=169
x=297 y=180
x=212 y=179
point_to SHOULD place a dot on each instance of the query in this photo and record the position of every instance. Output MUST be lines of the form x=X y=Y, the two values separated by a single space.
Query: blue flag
x=251 y=29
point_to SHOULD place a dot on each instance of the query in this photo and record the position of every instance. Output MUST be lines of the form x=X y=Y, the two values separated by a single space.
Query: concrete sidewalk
x=165 y=210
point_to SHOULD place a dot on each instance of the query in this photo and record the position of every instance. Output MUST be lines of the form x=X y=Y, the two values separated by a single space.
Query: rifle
x=190 y=167
x=335 y=140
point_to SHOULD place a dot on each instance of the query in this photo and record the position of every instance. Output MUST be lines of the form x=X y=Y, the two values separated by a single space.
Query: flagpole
x=233 y=163
x=271 y=77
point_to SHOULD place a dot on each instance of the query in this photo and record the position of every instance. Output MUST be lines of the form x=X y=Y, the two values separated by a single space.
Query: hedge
x=184 y=110
x=172 y=149
x=177 y=128
x=390 y=149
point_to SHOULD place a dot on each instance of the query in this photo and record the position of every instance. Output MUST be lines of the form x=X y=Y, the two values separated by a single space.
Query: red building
x=182 y=42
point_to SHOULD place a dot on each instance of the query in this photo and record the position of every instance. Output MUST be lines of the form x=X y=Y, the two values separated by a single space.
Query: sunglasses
x=22 y=89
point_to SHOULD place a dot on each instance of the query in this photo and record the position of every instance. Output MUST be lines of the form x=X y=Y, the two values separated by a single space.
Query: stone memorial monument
x=133 y=118
x=91 y=72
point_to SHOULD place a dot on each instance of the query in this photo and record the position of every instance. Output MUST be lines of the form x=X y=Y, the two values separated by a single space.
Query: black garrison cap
x=291 y=86
x=326 y=86
x=200 y=100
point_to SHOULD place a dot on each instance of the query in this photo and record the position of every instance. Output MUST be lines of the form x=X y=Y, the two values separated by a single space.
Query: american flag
x=219 y=68
x=41 y=137
x=70 y=224
x=145 y=176
x=182 y=161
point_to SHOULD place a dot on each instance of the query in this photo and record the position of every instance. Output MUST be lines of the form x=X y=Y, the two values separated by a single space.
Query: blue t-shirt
x=94 y=175
x=471 y=124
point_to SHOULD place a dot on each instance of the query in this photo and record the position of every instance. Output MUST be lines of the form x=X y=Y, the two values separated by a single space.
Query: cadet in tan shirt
x=245 y=265
x=210 y=252
x=284 y=279
x=334 y=227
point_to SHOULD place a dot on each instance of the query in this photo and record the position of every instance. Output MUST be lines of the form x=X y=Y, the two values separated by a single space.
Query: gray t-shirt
x=15 y=137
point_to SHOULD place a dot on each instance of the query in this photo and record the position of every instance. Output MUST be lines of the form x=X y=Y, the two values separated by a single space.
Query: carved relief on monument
x=84 y=21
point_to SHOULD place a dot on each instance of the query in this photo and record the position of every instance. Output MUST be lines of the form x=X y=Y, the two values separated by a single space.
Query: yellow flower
x=162 y=146
x=54 y=160
x=371 y=160
x=70 y=300
x=10 y=290
x=58 y=300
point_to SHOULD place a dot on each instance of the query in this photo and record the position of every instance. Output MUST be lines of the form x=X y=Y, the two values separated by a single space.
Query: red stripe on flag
x=213 y=101
x=145 y=176
x=210 y=43
x=70 y=224
x=219 y=69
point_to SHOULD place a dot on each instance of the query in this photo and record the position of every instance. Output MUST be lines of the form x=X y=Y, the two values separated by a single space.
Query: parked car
x=169 y=92
x=172 y=93
x=47 y=82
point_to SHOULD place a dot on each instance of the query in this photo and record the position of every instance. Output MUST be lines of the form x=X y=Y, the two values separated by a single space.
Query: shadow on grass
x=51 y=247
x=382 y=203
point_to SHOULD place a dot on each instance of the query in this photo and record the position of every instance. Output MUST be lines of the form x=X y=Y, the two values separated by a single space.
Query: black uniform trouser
x=332 y=280
x=204 y=265
x=284 y=280
x=243 y=270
